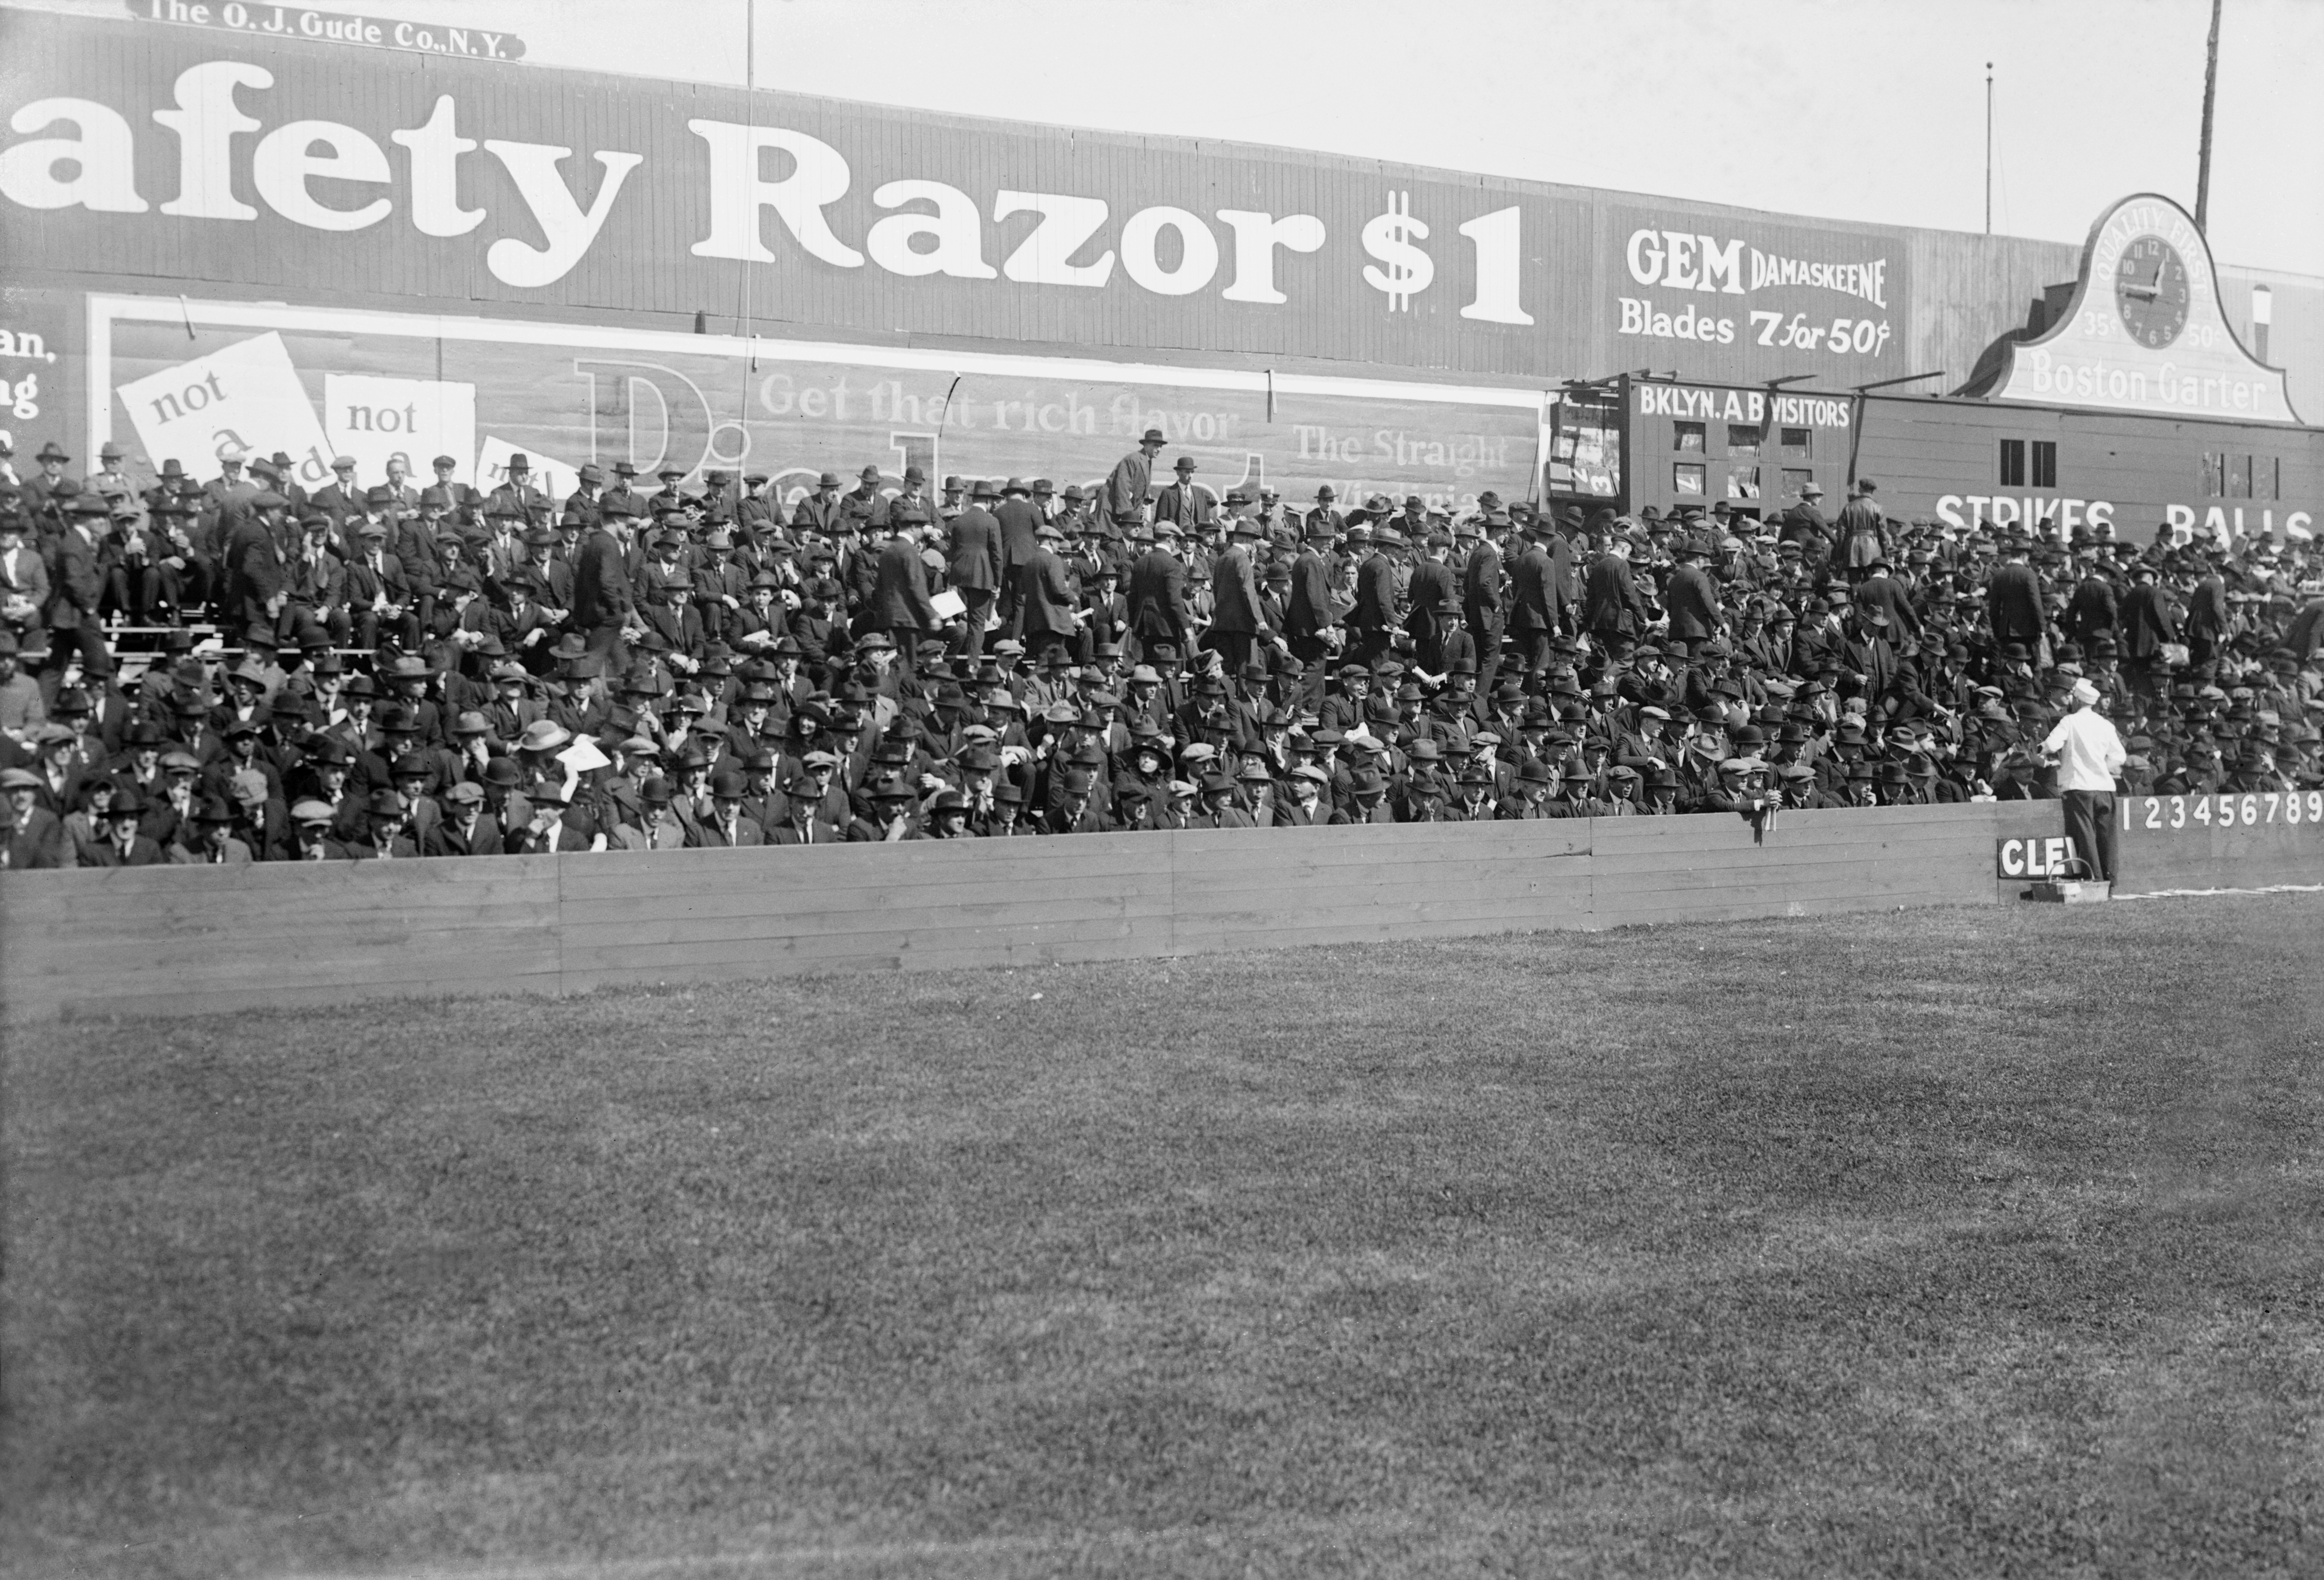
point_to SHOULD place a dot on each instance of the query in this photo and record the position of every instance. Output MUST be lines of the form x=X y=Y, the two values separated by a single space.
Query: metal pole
x=750 y=84
x=2203 y=159
x=1989 y=148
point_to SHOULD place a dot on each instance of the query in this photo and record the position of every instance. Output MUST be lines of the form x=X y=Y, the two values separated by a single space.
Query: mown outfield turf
x=1964 y=1243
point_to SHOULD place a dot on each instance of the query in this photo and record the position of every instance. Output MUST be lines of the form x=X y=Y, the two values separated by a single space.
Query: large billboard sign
x=281 y=169
x=2146 y=331
x=1724 y=302
x=179 y=381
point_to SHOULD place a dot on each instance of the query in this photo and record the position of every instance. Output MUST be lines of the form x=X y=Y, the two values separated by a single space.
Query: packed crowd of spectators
x=230 y=666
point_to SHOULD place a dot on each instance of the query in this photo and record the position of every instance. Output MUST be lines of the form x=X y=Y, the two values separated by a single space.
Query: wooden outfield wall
x=171 y=939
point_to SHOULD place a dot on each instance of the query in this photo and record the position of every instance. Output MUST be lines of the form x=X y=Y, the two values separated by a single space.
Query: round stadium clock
x=2150 y=288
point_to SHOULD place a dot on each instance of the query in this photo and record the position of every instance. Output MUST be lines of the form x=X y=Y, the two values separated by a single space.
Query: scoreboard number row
x=2249 y=810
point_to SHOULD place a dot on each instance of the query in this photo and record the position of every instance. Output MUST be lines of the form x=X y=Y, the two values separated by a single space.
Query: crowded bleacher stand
x=212 y=663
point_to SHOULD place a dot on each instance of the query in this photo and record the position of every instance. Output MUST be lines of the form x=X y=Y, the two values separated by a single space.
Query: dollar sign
x=1388 y=238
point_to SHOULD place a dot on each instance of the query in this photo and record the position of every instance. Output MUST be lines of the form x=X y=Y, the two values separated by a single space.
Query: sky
x=1869 y=110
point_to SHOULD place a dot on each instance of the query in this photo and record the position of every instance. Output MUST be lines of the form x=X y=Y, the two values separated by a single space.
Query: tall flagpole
x=1989 y=148
x=2203 y=159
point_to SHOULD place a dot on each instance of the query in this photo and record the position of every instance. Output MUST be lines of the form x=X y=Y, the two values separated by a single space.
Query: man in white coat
x=2089 y=754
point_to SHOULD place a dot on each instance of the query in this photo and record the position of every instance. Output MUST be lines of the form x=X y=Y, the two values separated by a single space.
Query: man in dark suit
x=1805 y=525
x=124 y=845
x=1611 y=605
x=1881 y=590
x=1237 y=622
x=2147 y=622
x=1015 y=517
x=2208 y=618
x=1158 y=610
x=2012 y=602
x=1482 y=605
x=1308 y=621
x=1569 y=570
x=339 y=499
x=586 y=501
x=604 y=603
x=2094 y=607
x=33 y=836
x=726 y=827
x=378 y=596
x=900 y=606
x=74 y=589
x=516 y=491
x=1429 y=589
x=466 y=828
x=315 y=589
x=1045 y=601
x=1186 y=503
x=975 y=565
x=1535 y=599
x=1372 y=621
x=819 y=513
x=1691 y=599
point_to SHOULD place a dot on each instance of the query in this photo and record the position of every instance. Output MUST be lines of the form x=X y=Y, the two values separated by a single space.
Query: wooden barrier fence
x=171 y=939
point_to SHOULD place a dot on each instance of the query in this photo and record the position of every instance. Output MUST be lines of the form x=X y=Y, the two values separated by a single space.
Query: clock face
x=2150 y=288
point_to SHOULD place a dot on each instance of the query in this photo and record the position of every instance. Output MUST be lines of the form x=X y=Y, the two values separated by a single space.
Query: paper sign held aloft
x=372 y=420
x=581 y=756
x=246 y=396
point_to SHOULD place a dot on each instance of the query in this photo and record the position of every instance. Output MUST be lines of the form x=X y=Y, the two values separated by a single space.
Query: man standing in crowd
x=1184 y=503
x=1862 y=531
x=1121 y=503
x=2089 y=754
x=605 y=600
x=974 y=565
x=1015 y=523
x=1237 y=622
x=1158 y=610
x=2012 y=602
x=901 y=605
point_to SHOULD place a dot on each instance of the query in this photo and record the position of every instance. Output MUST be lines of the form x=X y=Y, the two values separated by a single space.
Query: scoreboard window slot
x=1688 y=438
x=2045 y=463
x=2013 y=463
x=1686 y=478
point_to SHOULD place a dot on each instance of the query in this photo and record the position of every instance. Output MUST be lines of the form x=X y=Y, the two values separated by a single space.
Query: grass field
x=1964 y=1243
